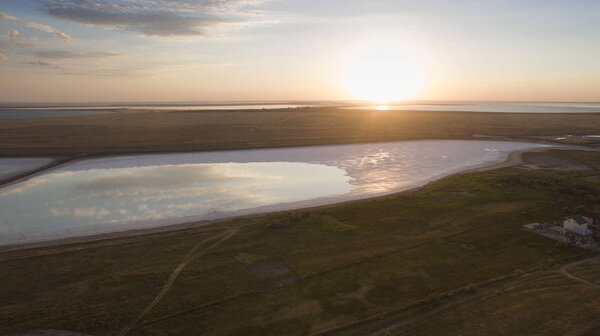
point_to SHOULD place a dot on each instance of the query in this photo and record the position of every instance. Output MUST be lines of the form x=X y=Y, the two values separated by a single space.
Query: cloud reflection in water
x=108 y=194
x=79 y=199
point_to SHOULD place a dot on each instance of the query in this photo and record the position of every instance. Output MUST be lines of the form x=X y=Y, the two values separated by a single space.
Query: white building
x=577 y=225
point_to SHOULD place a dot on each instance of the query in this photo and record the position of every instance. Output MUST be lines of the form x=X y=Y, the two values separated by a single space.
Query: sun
x=383 y=74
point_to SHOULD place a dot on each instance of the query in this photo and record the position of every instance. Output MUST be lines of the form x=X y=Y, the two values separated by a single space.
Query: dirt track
x=564 y=271
x=192 y=254
x=390 y=328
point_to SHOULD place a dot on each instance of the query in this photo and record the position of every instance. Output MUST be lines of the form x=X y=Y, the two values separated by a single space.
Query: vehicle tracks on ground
x=199 y=249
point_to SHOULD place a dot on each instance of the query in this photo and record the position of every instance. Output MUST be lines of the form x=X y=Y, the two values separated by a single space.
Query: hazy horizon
x=275 y=50
x=322 y=102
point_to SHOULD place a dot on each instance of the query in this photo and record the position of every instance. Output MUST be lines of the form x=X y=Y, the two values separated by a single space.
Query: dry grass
x=146 y=131
x=589 y=271
x=548 y=305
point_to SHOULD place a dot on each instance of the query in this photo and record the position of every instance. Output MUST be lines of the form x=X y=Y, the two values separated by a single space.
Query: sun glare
x=383 y=74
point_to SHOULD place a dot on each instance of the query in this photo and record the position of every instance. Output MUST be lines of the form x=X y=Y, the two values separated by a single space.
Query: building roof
x=580 y=231
x=579 y=220
x=532 y=225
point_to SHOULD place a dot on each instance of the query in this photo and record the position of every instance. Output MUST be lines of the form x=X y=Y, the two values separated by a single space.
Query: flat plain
x=136 y=131
x=449 y=258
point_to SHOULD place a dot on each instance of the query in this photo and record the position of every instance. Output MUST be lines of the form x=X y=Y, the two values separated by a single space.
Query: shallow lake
x=53 y=112
x=46 y=113
x=118 y=193
x=14 y=166
x=504 y=107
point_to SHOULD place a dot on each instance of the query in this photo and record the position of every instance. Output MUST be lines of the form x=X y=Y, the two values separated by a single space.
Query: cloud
x=14 y=38
x=63 y=37
x=63 y=54
x=4 y=16
x=153 y=17
x=40 y=26
x=13 y=35
x=42 y=64
x=3 y=57
x=106 y=72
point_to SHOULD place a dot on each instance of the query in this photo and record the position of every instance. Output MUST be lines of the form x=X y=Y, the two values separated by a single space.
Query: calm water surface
x=13 y=166
x=118 y=193
x=22 y=111
x=46 y=113
x=51 y=112
x=494 y=107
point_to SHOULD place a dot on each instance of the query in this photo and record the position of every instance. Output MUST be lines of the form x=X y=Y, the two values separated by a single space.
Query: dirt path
x=400 y=324
x=430 y=313
x=194 y=252
x=564 y=271
x=486 y=287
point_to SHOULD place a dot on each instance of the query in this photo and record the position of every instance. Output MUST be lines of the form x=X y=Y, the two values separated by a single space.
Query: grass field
x=589 y=271
x=147 y=131
x=350 y=269
x=550 y=304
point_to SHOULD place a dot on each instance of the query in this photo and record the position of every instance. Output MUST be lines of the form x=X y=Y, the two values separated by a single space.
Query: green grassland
x=352 y=268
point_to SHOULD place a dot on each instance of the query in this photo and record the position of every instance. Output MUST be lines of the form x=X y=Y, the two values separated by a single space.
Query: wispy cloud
x=13 y=38
x=3 y=57
x=64 y=54
x=39 y=26
x=14 y=35
x=107 y=72
x=4 y=16
x=42 y=64
x=155 y=18
x=63 y=37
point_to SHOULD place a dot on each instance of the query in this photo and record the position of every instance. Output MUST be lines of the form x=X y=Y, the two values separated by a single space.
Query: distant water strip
x=47 y=113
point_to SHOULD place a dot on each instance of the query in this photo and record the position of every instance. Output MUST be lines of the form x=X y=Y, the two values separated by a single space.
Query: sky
x=255 y=50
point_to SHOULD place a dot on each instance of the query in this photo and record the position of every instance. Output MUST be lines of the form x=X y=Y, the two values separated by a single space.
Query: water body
x=67 y=111
x=493 y=107
x=118 y=193
x=47 y=113
x=219 y=107
x=13 y=166
x=23 y=111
